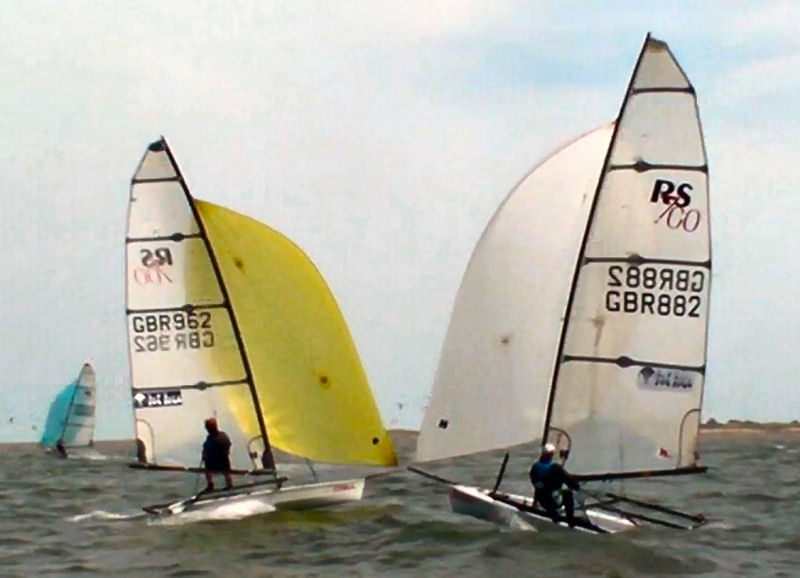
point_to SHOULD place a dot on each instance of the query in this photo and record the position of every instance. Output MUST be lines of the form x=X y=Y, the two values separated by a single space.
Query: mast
x=267 y=458
x=579 y=262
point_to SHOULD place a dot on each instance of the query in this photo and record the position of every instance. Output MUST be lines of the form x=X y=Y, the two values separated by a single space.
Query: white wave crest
x=230 y=511
x=104 y=515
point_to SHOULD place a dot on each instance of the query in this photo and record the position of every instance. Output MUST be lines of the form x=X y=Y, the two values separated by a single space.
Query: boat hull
x=267 y=498
x=515 y=510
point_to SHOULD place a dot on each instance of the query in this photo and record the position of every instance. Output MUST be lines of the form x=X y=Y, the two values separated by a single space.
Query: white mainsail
x=628 y=383
x=493 y=379
x=79 y=426
x=183 y=349
x=605 y=358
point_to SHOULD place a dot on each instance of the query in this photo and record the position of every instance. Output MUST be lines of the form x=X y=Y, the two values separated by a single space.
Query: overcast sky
x=379 y=136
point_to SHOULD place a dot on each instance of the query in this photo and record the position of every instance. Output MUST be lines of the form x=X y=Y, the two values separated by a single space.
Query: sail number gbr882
x=655 y=290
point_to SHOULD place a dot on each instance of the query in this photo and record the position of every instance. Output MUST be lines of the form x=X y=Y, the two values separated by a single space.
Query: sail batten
x=628 y=362
x=638 y=260
x=202 y=385
x=642 y=166
x=174 y=237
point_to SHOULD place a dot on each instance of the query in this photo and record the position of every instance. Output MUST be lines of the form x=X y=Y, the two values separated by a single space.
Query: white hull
x=477 y=502
x=267 y=498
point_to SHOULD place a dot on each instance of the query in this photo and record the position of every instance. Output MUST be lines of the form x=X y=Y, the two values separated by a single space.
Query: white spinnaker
x=183 y=350
x=494 y=373
x=630 y=382
x=79 y=424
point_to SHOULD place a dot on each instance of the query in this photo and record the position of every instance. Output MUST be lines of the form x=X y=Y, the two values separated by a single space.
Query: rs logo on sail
x=671 y=194
x=676 y=215
x=159 y=256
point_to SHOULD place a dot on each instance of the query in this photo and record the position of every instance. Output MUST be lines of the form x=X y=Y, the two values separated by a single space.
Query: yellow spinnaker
x=313 y=391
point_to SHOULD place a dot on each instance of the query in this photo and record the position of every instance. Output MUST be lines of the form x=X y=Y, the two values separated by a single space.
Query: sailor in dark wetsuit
x=547 y=478
x=216 y=455
x=61 y=449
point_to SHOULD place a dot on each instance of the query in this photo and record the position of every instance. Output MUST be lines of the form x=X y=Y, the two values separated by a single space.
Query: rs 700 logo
x=670 y=194
x=676 y=215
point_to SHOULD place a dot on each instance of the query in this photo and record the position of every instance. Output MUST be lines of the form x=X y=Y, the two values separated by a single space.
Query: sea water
x=83 y=518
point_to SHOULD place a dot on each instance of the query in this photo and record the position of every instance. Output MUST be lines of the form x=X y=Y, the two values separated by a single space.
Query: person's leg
x=569 y=506
x=546 y=501
x=228 y=481
x=209 y=480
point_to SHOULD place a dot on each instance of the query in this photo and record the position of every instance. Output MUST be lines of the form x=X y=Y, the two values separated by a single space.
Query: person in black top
x=547 y=478
x=216 y=455
x=61 y=449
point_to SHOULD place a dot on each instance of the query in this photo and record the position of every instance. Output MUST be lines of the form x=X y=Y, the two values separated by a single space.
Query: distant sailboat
x=582 y=317
x=227 y=318
x=70 y=420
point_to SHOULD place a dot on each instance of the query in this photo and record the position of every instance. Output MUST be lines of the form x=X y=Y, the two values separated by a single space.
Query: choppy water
x=81 y=518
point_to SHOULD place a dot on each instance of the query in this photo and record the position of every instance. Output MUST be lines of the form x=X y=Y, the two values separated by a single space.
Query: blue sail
x=71 y=415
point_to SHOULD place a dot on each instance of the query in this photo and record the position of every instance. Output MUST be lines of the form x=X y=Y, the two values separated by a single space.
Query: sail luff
x=582 y=251
x=267 y=459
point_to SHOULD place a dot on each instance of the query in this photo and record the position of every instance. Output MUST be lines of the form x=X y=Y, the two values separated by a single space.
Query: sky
x=380 y=137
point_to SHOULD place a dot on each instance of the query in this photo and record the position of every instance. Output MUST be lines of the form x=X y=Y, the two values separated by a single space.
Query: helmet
x=548 y=448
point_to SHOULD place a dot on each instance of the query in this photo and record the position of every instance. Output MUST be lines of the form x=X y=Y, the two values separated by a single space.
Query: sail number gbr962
x=175 y=331
x=655 y=290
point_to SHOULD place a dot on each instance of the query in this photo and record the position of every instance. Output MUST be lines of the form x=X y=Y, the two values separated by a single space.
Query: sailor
x=61 y=449
x=216 y=455
x=547 y=478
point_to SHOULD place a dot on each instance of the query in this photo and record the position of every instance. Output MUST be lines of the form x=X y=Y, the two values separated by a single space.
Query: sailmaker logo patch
x=665 y=379
x=143 y=399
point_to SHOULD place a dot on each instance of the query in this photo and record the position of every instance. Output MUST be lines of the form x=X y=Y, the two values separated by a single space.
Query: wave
x=232 y=511
x=105 y=515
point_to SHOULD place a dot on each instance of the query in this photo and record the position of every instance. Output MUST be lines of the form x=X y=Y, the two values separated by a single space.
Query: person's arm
x=570 y=482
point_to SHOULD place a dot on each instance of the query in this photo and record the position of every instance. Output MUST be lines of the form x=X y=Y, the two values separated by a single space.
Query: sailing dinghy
x=229 y=319
x=70 y=419
x=583 y=314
